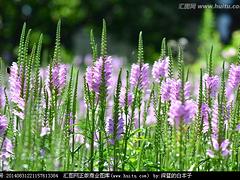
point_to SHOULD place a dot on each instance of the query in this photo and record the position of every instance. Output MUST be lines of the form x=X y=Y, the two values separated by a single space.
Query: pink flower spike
x=225 y=144
x=45 y=131
x=210 y=153
x=215 y=144
x=225 y=152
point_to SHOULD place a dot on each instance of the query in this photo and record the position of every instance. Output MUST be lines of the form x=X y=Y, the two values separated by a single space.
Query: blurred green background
x=195 y=29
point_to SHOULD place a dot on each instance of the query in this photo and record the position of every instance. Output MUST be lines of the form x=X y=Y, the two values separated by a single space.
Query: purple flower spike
x=175 y=113
x=166 y=90
x=45 y=131
x=62 y=75
x=107 y=65
x=215 y=144
x=205 y=110
x=233 y=81
x=55 y=72
x=176 y=89
x=120 y=129
x=215 y=119
x=225 y=144
x=7 y=149
x=210 y=153
x=135 y=74
x=212 y=84
x=122 y=98
x=234 y=76
x=15 y=91
x=160 y=69
x=144 y=81
x=3 y=124
x=190 y=108
x=187 y=90
x=139 y=76
x=223 y=148
x=151 y=118
x=179 y=111
x=94 y=74
x=225 y=152
x=89 y=77
x=110 y=126
x=7 y=152
x=2 y=98
x=59 y=76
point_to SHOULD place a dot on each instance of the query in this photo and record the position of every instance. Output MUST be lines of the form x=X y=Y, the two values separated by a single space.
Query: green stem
x=181 y=155
x=92 y=140
x=128 y=129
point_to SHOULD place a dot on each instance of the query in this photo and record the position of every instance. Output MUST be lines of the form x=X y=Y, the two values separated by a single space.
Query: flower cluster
x=160 y=69
x=205 y=111
x=139 y=76
x=212 y=84
x=233 y=81
x=2 y=98
x=176 y=87
x=182 y=112
x=171 y=90
x=59 y=76
x=45 y=131
x=3 y=124
x=217 y=146
x=119 y=130
x=7 y=152
x=123 y=98
x=222 y=147
x=107 y=116
x=15 y=91
x=94 y=74
x=166 y=90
